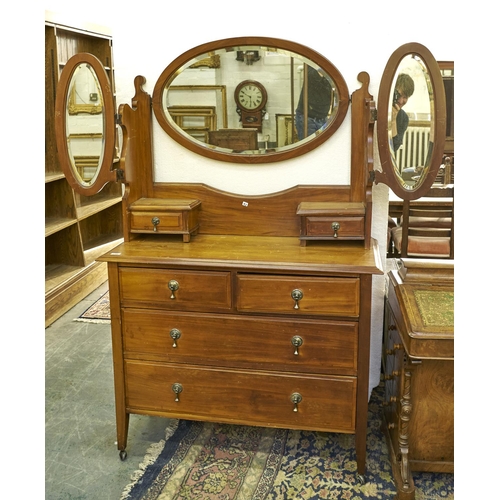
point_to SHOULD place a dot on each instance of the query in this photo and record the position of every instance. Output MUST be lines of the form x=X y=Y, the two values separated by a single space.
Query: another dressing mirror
x=85 y=124
x=411 y=122
x=245 y=100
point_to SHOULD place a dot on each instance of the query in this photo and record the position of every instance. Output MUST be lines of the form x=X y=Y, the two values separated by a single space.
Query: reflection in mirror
x=410 y=121
x=196 y=102
x=85 y=124
x=250 y=101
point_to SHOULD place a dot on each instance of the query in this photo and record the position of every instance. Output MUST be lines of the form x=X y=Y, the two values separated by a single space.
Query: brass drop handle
x=335 y=227
x=297 y=342
x=177 y=388
x=173 y=286
x=155 y=221
x=176 y=335
x=296 y=398
x=296 y=296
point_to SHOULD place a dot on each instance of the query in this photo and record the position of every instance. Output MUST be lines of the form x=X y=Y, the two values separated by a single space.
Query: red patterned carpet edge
x=210 y=461
x=98 y=312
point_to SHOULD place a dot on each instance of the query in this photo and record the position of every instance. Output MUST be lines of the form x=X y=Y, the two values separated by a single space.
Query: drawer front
x=326 y=347
x=167 y=222
x=349 y=227
x=194 y=291
x=326 y=404
x=316 y=296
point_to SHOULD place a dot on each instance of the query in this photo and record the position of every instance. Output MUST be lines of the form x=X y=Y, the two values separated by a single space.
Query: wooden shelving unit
x=78 y=229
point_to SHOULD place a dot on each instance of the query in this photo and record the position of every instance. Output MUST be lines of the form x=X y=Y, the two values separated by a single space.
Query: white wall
x=354 y=36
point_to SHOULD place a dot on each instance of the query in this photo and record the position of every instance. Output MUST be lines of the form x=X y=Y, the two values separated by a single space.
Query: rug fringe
x=97 y=321
x=151 y=455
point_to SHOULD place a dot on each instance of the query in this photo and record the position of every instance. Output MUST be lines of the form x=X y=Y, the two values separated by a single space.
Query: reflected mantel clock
x=251 y=99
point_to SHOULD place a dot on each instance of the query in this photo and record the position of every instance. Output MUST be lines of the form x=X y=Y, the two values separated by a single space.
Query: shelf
x=99 y=248
x=78 y=229
x=93 y=208
x=53 y=224
x=56 y=274
x=53 y=176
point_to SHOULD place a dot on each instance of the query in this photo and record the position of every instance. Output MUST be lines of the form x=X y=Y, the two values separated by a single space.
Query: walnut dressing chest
x=245 y=330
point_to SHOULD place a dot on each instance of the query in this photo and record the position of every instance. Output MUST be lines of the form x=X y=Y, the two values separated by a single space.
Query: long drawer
x=175 y=289
x=298 y=295
x=308 y=346
x=256 y=398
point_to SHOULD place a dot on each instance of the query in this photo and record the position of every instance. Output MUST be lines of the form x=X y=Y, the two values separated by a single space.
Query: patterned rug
x=207 y=461
x=98 y=312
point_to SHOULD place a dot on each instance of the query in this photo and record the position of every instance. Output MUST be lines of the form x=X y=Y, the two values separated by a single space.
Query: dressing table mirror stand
x=251 y=310
x=242 y=324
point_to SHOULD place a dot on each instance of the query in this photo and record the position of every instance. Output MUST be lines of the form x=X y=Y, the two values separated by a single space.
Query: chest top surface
x=279 y=254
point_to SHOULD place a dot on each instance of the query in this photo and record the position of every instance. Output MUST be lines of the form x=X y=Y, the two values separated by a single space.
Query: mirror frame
x=105 y=173
x=388 y=175
x=171 y=71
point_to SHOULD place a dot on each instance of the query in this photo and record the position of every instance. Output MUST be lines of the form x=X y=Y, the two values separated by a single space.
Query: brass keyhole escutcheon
x=296 y=398
x=173 y=286
x=176 y=335
x=296 y=296
x=177 y=388
x=297 y=342
x=155 y=221
x=335 y=227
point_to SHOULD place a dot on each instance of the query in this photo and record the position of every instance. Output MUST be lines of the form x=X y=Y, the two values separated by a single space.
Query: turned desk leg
x=403 y=439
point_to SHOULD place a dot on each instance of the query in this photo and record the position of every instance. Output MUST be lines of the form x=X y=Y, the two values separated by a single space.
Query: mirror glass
x=411 y=115
x=85 y=124
x=246 y=100
x=411 y=121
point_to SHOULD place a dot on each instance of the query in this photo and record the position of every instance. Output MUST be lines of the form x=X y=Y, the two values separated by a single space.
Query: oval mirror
x=245 y=100
x=411 y=121
x=84 y=123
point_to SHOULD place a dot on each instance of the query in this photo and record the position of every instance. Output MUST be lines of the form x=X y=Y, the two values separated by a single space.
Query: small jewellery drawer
x=336 y=227
x=175 y=289
x=331 y=221
x=298 y=295
x=227 y=340
x=256 y=398
x=155 y=222
x=165 y=216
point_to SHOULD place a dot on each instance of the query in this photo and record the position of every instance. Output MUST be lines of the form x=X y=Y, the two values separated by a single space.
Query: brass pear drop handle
x=176 y=335
x=335 y=227
x=177 y=388
x=297 y=342
x=296 y=296
x=173 y=286
x=296 y=398
x=155 y=221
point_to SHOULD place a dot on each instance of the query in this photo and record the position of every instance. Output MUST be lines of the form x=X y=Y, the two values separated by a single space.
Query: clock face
x=250 y=96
